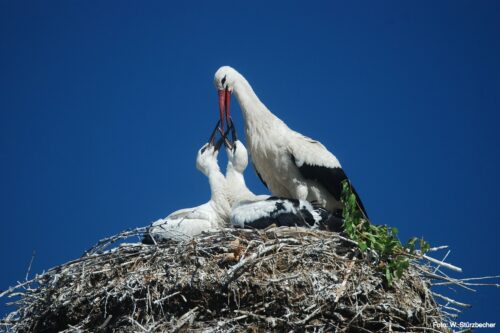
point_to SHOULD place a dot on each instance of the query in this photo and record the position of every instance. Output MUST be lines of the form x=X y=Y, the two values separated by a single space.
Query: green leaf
x=425 y=247
x=410 y=244
x=388 y=275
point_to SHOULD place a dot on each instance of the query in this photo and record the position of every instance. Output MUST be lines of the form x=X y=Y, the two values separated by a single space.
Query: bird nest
x=279 y=279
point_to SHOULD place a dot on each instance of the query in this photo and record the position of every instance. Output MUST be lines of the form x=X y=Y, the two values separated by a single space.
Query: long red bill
x=228 y=101
x=222 y=108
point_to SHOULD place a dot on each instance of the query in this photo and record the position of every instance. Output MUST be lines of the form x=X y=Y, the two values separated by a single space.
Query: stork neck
x=256 y=115
x=250 y=104
x=217 y=183
x=237 y=187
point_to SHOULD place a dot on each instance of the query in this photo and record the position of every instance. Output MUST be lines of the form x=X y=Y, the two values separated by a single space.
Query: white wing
x=185 y=223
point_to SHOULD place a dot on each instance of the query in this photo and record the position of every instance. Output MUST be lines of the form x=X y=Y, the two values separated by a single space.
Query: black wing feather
x=330 y=178
x=282 y=216
x=258 y=174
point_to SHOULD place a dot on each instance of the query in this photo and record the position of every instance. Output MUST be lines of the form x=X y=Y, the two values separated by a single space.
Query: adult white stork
x=213 y=215
x=260 y=211
x=289 y=164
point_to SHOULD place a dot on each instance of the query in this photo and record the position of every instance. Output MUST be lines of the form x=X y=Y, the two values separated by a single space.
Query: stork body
x=283 y=212
x=289 y=164
x=251 y=211
x=213 y=215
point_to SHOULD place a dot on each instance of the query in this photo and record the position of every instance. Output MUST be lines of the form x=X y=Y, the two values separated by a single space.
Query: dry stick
x=452 y=301
x=185 y=318
x=437 y=248
x=29 y=266
x=451 y=308
x=473 y=279
x=444 y=258
x=441 y=263
x=132 y=320
x=106 y=322
x=496 y=285
x=481 y=278
x=166 y=297
x=224 y=323
x=341 y=289
x=309 y=317
x=450 y=315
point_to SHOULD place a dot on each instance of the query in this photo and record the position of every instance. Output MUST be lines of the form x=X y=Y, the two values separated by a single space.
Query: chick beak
x=214 y=132
x=227 y=143
x=234 y=137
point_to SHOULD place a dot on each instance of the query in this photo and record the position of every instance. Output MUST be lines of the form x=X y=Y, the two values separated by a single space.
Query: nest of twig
x=280 y=279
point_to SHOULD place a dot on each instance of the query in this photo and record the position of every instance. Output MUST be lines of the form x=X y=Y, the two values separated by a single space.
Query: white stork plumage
x=237 y=162
x=260 y=211
x=213 y=215
x=289 y=164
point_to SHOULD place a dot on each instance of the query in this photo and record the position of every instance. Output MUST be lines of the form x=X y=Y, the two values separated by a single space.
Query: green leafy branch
x=394 y=256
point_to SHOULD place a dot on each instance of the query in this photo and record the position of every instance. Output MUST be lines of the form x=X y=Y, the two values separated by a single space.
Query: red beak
x=224 y=101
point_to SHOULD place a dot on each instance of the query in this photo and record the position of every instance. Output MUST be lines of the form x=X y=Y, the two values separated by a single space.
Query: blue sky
x=103 y=106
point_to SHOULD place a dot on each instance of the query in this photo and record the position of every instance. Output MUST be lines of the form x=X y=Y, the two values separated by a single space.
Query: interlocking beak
x=231 y=129
x=214 y=132
x=211 y=140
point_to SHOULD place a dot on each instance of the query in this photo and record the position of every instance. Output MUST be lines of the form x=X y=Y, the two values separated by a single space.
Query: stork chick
x=213 y=215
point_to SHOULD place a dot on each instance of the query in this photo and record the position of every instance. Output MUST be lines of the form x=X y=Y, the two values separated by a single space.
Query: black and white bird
x=289 y=164
x=213 y=215
x=261 y=211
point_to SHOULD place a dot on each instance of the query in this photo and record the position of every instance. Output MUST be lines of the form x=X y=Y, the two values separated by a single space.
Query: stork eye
x=223 y=80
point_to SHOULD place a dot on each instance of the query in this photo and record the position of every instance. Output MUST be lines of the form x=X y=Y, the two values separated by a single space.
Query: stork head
x=237 y=155
x=206 y=160
x=224 y=82
x=225 y=78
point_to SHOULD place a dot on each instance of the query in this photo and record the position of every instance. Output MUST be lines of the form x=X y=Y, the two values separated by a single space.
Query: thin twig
x=29 y=266
x=452 y=301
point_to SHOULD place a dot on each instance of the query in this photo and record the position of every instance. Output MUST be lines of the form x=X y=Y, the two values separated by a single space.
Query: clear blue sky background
x=103 y=106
